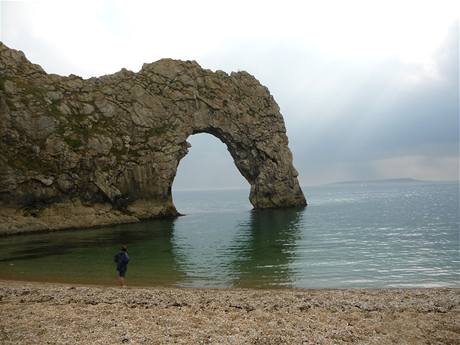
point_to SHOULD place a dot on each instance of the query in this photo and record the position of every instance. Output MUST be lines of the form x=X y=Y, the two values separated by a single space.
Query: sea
x=401 y=234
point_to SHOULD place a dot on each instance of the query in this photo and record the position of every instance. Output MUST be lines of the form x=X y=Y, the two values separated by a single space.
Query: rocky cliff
x=86 y=152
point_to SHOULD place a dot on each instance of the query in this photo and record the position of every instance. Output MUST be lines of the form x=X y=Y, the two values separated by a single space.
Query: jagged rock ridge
x=81 y=153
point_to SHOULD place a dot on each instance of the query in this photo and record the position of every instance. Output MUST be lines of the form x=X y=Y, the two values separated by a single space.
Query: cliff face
x=81 y=153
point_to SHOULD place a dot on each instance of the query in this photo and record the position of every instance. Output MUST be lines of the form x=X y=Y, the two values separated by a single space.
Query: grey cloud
x=341 y=115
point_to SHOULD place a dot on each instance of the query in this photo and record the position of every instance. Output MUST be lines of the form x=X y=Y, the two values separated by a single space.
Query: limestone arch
x=108 y=148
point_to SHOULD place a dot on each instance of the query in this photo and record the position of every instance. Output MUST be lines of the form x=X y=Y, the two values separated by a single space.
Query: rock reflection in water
x=267 y=248
x=245 y=249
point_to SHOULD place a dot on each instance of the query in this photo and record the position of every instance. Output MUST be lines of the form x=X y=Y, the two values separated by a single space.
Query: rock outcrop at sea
x=87 y=152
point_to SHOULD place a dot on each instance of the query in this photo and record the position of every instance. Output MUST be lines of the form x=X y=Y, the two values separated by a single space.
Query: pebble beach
x=47 y=313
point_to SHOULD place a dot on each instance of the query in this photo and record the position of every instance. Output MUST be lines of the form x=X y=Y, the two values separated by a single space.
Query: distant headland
x=389 y=180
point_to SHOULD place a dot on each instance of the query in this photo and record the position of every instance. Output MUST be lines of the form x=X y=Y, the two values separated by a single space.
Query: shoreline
x=33 y=312
x=113 y=284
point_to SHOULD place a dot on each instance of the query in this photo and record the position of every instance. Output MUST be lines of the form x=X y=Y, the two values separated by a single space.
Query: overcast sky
x=368 y=89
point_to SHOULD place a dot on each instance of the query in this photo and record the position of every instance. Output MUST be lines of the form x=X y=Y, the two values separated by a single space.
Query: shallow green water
x=380 y=235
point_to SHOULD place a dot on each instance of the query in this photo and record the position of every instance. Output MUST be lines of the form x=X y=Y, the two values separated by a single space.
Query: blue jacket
x=122 y=259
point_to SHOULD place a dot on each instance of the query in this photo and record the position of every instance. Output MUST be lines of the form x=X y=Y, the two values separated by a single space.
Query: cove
x=351 y=236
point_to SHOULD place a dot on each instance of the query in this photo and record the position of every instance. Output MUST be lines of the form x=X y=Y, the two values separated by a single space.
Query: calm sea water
x=374 y=235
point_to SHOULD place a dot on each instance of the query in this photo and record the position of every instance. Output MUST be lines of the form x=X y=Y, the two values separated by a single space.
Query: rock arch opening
x=207 y=174
x=207 y=166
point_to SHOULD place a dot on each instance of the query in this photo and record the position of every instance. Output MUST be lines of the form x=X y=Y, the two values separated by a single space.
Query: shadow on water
x=266 y=248
x=64 y=242
x=87 y=256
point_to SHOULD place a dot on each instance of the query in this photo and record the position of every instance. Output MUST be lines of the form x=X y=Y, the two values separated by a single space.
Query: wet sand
x=42 y=313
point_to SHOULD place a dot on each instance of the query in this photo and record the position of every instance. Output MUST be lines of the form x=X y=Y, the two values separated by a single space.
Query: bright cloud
x=102 y=36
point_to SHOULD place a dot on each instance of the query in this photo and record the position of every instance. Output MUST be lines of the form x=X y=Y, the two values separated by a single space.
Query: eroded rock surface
x=78 y=153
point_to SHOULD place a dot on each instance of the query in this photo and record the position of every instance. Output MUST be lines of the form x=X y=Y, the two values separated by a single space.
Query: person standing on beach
x=122 y=259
